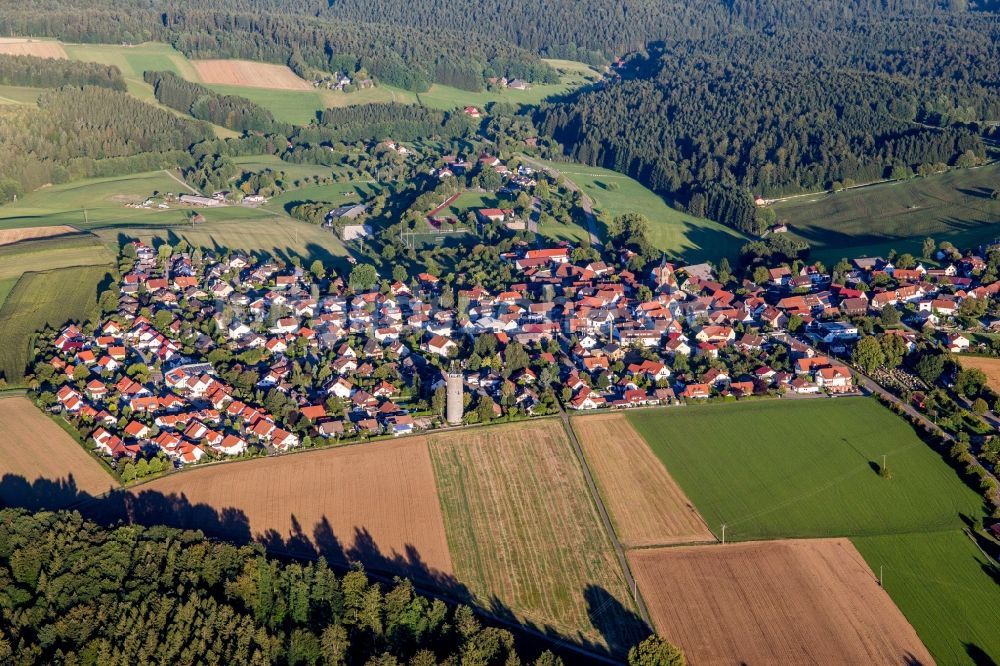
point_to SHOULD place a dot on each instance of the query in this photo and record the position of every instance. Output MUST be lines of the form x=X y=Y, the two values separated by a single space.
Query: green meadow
x=809 y=468
x=954 y=206
x=678 y=234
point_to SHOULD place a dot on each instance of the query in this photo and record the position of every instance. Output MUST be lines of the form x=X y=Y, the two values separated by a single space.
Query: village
x=212 y=356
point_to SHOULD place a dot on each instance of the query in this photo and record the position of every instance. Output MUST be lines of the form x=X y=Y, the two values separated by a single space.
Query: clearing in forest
x=375 y=503
x=34 y=448
x=647 y=506
x=526 y=537
x=774 y=602
x=31 y=47
x=249 y=73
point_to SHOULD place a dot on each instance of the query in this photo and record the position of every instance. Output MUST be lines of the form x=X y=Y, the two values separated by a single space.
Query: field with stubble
x=250 y=74
x=33 y=448
x=647 y=506
x=990 y=366
x=8 y=236
x=375 y=503
x=774 y=602
x=31 y=47
x=525 y=536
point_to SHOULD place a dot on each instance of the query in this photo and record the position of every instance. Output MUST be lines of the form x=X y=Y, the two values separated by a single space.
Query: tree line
x=23 y=70
x=230 y=111
x=72 y=591
x=402 y=122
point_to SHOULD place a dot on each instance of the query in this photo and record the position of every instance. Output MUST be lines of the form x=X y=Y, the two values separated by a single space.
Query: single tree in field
x=656 y=651
x=929 y=247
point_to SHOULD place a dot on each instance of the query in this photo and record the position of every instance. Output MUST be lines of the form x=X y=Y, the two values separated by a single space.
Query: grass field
x=19 y=95
x=808 y=468
x=524 y=534
x=375 y=503
x=946 y=587
x=953 y=206
x=6 y=286
x=774 y=602
x=50 y=253
x=44 y=299
x=779 y=469
x=338 y=194
x=104 y=199
x=647 y=507
x=678 y=234
x=33 y=447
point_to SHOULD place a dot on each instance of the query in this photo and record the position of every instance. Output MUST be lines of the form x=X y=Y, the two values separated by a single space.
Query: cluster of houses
x=595 y=334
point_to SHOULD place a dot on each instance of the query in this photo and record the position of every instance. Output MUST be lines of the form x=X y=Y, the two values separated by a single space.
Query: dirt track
x=8 y=236
x=375 y=502
x=774 y=602
x=32 y=447
x=250 y=74
x=30 y=47
x=647 y=506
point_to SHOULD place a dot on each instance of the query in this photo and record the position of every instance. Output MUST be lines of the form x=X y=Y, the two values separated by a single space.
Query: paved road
x=585 y=201
x=619 y=550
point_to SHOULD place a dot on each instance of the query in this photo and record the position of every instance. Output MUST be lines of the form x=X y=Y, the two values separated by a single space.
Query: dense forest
x=396 y=54
x=236 y=113
x=76 y=593
x=21 y=70
x=402 y=122
x=710 y=122
x=88 y=132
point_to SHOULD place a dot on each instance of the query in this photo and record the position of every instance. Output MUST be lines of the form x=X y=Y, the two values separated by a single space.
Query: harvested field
x=774 y=602
x=31 y=47
x=991 y=366
x=646 y=505
x=33 y=448
x=525 y=536
x=250 y=74
x=8 y=236
x=376 y=503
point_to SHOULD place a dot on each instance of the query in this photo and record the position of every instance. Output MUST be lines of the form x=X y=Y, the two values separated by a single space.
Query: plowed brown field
x=32 y=447
x=526 y=536
x=774 y=602
x=250 y=74
x=646 y=505
x=8 y=236
x=376 y=503
x=31 y=47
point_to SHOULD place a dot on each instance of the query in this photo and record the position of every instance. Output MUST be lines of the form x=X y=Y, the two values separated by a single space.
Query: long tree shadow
x=231 y=524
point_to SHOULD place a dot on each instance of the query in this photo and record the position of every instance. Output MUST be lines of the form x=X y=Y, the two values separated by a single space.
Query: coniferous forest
x=74 y=592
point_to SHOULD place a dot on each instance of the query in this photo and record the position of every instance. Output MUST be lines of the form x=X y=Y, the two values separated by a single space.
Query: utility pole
x=723 y=534
x=883 y=463
x=880 y=576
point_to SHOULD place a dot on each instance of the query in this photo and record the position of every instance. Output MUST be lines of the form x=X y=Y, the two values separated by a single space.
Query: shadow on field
x=978 y=655
x=617 y=624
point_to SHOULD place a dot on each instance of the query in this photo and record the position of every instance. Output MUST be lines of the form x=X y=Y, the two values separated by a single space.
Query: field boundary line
x=605 y=518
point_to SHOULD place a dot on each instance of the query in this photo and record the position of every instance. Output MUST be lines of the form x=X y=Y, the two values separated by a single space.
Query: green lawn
x=298 y=107
x=134 y=60
x=804 y=468
x=45 y=254
x=678 y=234
x=953 y=206
x=946 y=588
x=44 y=299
